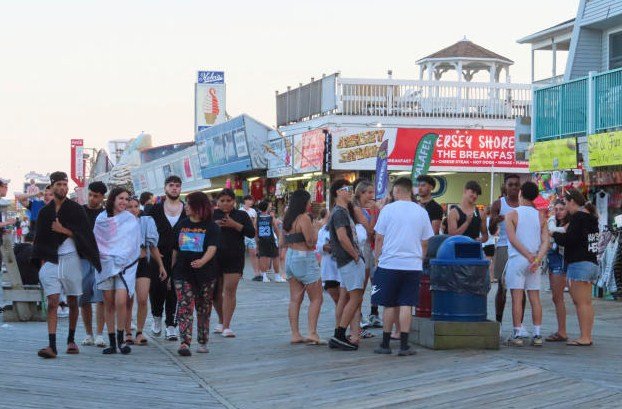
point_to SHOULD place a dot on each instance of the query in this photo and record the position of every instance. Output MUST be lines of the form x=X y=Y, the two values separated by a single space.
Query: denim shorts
x=302 y=266
x=556 y=263
x=353 y=275
x=582 y=271
x=90 y=292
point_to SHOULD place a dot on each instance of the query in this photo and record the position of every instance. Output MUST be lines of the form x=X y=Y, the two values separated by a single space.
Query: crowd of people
x=117 y=251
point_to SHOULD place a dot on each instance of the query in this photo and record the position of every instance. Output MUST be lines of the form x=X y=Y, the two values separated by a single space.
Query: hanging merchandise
x=602 y=206
x=228 y=183
x=311 y=188
x=257 y=189
x=238 y=187
x=319 y=191
x=279 y=189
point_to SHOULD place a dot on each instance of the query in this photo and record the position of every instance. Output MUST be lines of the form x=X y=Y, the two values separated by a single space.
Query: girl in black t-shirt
x=194 y=270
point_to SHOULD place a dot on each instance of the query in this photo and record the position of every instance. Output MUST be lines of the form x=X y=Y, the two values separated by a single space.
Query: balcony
x=583 y=106
x=406 y=98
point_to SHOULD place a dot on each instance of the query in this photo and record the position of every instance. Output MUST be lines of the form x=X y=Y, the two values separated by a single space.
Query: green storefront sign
x=559 y=154
x=605 y=149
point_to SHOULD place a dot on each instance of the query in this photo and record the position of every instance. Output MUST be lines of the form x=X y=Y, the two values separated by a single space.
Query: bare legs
x=87 y=317
x=296 y=294
x=115 y=302
x=254 y=261
x=558 y=282
x=230 y=288
x=581 y=293
x=296 y=291
x=142 y=294
x=518 y=309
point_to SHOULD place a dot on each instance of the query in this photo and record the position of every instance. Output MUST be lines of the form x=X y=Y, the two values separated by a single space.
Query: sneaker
x=202 y=349
x=374 y=321
x=537 y=341
x=218 y=329
x=100 y=342
x=62 y=312
x=125 y=349
x=365 y=323
x=342 y=344
x=171 y=333
x=515 y=341
x=279 y=279
x=88 y=341
x=406 y=352
x=156 y=327
x=227 y=333
x=264 y=278
x=257 y=278
x=383 y=351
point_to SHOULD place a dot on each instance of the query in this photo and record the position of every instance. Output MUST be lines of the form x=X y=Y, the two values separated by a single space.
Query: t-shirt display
x=193 y=240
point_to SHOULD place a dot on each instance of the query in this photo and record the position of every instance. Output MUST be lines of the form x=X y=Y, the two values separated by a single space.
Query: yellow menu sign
x=605 y=149
x=558 y=154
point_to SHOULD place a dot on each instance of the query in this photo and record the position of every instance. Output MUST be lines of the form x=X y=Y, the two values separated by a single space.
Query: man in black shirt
x=90 y=293
x=435 y=211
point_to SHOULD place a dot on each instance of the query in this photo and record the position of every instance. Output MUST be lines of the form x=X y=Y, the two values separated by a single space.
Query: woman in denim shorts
x=580 y=243
x=301 y=266
x=557 y=271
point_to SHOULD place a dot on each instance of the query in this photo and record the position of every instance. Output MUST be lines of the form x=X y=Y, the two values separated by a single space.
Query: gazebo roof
x=465 y=50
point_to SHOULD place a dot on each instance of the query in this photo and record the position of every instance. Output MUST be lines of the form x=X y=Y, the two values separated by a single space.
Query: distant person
x=146 y=202
x=251 y=244
x=528 y=238
x=34 y=204
x=426 y=184
x=32 y=189
x=63 y=235
x=465 y=219
x=267 y=249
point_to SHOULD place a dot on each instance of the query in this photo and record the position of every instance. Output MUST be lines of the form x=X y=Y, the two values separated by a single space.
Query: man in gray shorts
x=63 y=236
x=350 y=264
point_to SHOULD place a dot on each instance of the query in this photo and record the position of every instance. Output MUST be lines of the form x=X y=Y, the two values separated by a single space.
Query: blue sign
x=382 y=174
x=223 y=149
x=211 y=77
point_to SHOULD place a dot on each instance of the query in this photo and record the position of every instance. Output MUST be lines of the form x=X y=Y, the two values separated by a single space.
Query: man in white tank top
x=528 y=243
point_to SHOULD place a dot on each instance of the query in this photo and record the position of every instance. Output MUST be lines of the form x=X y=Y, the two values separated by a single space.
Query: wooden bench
x=27 y=301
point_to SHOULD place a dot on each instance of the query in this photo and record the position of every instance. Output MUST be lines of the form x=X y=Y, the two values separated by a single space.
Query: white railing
x=406 y=98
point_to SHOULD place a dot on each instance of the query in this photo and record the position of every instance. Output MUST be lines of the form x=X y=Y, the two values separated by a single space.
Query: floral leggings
x=188 y=295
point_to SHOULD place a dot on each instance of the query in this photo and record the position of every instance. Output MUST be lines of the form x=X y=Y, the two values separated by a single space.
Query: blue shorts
x=302 y=266
x=395 y=288
x=90 y=293
x=582 y=271
x=352 y=275
x=556 y=263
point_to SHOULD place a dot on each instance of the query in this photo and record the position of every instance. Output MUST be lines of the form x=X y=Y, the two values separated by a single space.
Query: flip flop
x=313 y=342
x=47 y=353
x=298 y=341
x=576 y=343
x=143 y=341
x=556 y=338
x=72 y=349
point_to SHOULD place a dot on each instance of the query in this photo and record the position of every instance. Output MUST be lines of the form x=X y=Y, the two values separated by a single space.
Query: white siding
x=597 y=10
x=588 y=54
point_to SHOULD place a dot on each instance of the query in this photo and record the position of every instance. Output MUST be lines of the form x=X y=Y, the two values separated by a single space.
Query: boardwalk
x=259 y=369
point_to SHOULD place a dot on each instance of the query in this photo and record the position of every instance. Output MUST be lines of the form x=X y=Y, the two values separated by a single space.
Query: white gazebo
x=466 y=59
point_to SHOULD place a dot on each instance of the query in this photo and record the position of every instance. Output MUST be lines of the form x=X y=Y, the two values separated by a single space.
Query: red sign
x=460 y=149
x=77 y=161
x=309 y=151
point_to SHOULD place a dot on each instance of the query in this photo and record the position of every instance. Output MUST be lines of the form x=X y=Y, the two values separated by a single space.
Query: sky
x=104 y=70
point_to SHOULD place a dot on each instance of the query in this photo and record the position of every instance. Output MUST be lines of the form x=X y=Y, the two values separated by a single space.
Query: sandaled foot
x=140 y=339
x=125 y=349
x=184 y=350
x=315 y=340
x=578 y=343
x=297 y=340
x=366 y=334
x=129 y=340
x=47 y=353
x=556 y=337
x=72 y=348
x=202 y=349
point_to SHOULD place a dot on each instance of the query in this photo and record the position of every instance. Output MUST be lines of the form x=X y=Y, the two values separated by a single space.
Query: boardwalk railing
x=581 y=106
x=405 y=98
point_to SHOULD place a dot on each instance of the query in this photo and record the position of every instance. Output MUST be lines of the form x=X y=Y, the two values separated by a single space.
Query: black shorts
x=147 y=269
x=231 y=264
x=395 y=288
x=267 y=248
x=489 y=250
x=328 y=284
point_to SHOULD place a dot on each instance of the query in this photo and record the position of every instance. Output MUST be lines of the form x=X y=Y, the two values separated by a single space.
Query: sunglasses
x=346 y=189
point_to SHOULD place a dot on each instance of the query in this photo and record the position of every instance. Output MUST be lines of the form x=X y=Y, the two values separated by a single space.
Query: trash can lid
x=460 y=248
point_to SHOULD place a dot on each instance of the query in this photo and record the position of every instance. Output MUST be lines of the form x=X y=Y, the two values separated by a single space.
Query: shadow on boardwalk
x=260 y=369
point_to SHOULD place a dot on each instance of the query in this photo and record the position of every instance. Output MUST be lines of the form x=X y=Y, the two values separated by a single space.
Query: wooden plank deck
x=260 y=369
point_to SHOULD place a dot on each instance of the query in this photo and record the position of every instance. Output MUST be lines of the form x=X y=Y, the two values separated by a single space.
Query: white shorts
x=65 y=276
x=114 y=281
x=518 y=276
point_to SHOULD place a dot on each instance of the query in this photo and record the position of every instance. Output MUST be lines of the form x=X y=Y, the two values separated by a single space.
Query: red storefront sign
x=309 y=151
x=460 y=149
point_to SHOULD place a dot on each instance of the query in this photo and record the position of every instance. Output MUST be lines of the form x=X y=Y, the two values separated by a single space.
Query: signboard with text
x=605 y=149
x=309 y=151
x=209 y=99
x=560 y=154
x=77 y=161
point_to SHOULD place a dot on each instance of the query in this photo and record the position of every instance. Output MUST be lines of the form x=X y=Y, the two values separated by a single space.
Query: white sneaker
x=227 y=333
x=156 y=327
x=265 y=278
x=62 y=312
x=171 y=333
x=218 y=329
x=99 y=341
x=279 y=279
x=88 y=341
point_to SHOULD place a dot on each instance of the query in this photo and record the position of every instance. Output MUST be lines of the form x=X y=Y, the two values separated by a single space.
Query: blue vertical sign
x=382 y=173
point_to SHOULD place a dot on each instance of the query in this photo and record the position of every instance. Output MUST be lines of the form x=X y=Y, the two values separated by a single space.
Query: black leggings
x=161 y=297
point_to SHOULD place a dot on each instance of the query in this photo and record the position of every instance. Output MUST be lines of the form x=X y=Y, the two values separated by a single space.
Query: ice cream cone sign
x=211 y=106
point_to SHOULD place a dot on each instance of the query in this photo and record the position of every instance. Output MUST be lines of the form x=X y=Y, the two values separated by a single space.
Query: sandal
x=47 y=353
x=556 y=338
x=576 y=343
x=72 y=348
x=184 y=350
x=366 y=334
x=140 y=338
x=129 y=340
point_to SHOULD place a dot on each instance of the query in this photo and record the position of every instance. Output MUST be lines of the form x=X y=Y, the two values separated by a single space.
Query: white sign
x=209 y=100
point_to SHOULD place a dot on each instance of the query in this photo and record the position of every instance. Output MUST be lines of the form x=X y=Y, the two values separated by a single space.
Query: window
x=615 y=50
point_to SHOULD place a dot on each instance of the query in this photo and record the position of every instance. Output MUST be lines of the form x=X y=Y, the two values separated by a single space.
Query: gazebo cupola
x=466 y=59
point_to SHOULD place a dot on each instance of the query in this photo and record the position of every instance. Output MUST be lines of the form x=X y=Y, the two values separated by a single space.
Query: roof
x=565 y=26
x=466 y=49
